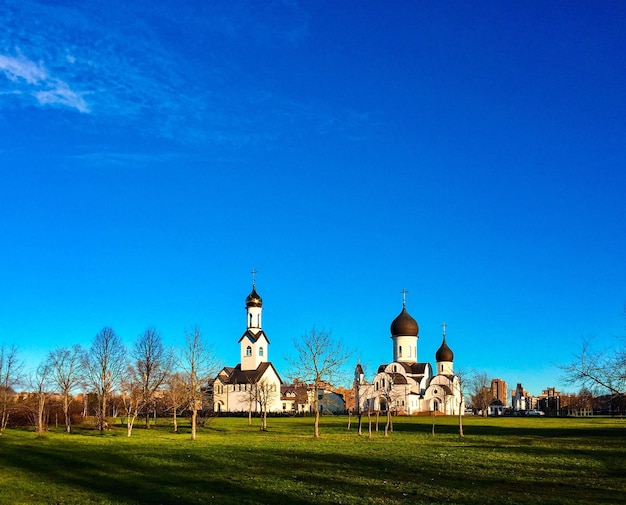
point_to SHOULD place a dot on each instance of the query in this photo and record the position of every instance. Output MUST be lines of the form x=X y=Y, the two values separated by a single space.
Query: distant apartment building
x=499 y=391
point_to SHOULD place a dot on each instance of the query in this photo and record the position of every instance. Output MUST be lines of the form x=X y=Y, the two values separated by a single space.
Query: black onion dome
x=253 y=299
x=444 y=353
x=404 y=325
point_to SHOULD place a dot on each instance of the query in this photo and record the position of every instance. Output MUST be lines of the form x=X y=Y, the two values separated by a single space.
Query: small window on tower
x=400 y=351
x=260 y=351
x=248 y=351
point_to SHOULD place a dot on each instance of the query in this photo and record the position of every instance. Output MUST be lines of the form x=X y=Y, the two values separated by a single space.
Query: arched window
x=260 y=351
x=248 y=351
x=400 y=351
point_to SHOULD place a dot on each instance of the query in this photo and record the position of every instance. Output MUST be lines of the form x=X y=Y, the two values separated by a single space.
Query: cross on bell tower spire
x=404 y=292
x=254 y=272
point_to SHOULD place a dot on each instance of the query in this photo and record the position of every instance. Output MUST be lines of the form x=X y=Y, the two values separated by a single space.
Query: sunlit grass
x=506 y=460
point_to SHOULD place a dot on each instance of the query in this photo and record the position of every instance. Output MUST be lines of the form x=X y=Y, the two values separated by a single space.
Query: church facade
x=407 y=386
x=253 y=385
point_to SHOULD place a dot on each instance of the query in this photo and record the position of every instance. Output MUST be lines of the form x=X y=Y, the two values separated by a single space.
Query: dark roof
x=419 y=368
x=238 y=376
x=253 y=336
x=445 y=387
x=359 y=368
x=398 y=378
x=410 y=368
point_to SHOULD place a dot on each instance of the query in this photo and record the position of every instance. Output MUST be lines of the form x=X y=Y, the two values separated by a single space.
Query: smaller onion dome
x=404 y=325
x=444 y=353
x=253 y=299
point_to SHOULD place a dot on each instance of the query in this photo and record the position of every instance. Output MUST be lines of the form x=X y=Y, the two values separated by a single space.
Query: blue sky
x=153 y=154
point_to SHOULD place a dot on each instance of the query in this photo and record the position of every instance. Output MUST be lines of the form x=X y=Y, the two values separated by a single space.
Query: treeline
x=107 y=380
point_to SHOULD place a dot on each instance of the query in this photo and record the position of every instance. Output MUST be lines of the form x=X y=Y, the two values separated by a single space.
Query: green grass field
x=500 y=460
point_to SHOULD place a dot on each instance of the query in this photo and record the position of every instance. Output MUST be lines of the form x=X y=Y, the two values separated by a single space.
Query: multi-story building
x=499 y=391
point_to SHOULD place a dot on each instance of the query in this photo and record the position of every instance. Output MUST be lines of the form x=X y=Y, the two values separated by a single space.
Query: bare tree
x=198 y=365
x=10 y=369
x=175 y=395
x=65 y=374
x=460 y=385
x=481 y=392
x=132 y=393
x=319 y=361
x=391 y=395
x=265 y=394
x=104 y=365
x=602 y=372
x=150 y=368
x=38 y=383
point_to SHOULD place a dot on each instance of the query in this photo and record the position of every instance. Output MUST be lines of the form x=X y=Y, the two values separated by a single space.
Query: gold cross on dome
x=254 y=272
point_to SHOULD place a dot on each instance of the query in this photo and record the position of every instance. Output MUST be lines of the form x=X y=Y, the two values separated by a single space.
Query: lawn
x=500 y=460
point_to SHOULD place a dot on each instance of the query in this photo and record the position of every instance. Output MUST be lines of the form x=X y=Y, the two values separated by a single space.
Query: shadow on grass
x=248 y=468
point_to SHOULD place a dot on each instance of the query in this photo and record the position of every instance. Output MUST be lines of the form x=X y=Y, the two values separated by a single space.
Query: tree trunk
x=40 y=410
x=66 y=412
x=360 y=423
x=349 y=419
x=433 y=429
x=175 y=422
x=317 y=424
x=194 y=416
x=388 y=423
x=369 y=418
x=103 y=406
x=130 y=420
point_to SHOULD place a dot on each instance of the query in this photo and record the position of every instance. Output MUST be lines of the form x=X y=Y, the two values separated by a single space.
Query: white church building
x=254 y=381
x=406 y=386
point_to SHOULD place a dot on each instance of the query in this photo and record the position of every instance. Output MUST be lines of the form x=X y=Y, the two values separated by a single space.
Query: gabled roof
x=254 y=336
x=238 y=376
x=398 y=378
x=409 y=368
x=446 y=388
x=416 y=368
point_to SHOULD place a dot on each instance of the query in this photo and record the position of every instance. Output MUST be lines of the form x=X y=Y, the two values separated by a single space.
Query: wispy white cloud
x=32 y=78
x=61 y=94
x=21 y=68
x=138 y=74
